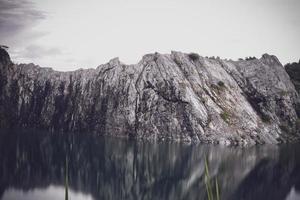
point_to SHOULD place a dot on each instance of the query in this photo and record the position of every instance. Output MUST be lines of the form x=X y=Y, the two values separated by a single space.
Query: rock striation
x=177 y=96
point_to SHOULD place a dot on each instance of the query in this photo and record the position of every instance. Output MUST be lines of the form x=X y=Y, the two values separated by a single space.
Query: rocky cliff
x=293 y=70
x=175 y=96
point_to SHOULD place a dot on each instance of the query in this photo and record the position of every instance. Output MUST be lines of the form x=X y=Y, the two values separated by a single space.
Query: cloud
x=17 y=16
x=36 y=51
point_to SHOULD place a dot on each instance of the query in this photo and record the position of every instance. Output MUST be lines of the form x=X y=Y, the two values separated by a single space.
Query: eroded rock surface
x=175 y=96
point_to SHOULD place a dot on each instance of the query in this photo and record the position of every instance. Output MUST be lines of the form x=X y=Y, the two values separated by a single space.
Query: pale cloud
x=17 y=16
x=35 y=51
x=68 y=34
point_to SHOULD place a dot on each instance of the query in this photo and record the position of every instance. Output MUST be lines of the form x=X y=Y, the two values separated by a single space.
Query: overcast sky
x=71 y=34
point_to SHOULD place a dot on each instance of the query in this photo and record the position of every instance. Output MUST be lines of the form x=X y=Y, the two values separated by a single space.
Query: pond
x=39 y=165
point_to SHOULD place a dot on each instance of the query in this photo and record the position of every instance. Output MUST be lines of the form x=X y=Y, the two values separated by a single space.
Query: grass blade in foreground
x=209 y=189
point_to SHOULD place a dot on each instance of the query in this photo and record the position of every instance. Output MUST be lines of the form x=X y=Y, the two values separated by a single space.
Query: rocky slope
x=293 y=70
x=175 y=96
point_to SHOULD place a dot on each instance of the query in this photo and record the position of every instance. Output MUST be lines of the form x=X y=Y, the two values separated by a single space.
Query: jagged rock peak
x=114 y=61
x=4 y=56
x=177 y=96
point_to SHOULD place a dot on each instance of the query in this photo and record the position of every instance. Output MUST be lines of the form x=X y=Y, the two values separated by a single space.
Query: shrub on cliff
x=250 y=58
x=194 y=56
x=221 y=84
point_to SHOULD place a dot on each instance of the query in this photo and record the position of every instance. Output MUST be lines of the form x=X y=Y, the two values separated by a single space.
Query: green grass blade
x=217 y=190
x=208 y=192
x=208 y=185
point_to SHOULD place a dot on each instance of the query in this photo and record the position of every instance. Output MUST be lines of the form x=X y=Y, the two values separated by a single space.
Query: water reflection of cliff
x=109 y=168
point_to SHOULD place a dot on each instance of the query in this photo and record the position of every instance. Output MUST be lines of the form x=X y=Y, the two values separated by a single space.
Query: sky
x=72 y=34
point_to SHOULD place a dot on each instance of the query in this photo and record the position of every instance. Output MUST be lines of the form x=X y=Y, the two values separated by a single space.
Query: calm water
x=33 y=166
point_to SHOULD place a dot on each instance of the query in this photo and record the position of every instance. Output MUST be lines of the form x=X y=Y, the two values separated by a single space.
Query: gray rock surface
x=177 y=96
x=293 y=70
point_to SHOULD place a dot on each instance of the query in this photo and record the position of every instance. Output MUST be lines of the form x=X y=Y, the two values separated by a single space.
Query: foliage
x=283 y=93
x=225 y=116
x=219 y=87
x=3 y=46
x=194 y=56
x=284 y=128
x=221 y=84
x=250 y=58
x=265 y=118
x=211 y=194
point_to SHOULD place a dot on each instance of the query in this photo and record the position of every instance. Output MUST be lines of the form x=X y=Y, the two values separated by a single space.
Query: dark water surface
x=33 y=166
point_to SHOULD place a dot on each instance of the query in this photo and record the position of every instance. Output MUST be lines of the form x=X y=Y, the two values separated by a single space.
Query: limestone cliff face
x=293 y=70
x=175 y=96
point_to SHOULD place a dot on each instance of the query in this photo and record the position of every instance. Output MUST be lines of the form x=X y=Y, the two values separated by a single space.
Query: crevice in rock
x=173 y=100
x=136 y=123
x=252 y=96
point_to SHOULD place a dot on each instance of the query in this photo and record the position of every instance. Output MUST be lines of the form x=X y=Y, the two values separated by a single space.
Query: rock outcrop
x=177 y=96
x=293 y=70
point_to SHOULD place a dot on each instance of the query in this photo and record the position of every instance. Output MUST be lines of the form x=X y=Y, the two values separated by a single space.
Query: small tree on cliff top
x=3 y=46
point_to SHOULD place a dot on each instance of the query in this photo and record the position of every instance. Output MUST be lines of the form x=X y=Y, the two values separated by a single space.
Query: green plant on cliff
x=194 y=56
x=219 y=87
x=225 y=116
x=221 y=84
x=265 y=118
